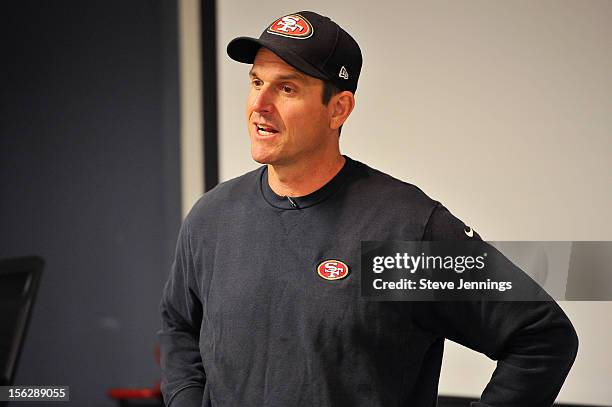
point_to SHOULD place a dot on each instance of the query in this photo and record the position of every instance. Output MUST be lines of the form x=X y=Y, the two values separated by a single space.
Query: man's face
x=287 y=120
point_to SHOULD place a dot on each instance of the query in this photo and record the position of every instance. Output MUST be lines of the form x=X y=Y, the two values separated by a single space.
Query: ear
x=340 y=107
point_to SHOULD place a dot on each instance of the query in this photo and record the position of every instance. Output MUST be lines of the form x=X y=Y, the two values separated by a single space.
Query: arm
x=534 y=343
x=183 y=376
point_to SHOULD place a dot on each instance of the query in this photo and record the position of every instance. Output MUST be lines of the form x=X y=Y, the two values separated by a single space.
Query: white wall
x=500 y=110
x=192 y=166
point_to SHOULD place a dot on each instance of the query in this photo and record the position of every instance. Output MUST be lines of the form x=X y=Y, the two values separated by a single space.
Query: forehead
x=267 y=62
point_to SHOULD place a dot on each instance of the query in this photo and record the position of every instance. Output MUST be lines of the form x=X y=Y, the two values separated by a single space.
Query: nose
x=262 y=101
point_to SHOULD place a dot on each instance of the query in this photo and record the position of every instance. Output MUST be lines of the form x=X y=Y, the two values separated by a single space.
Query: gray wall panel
x=90 y=181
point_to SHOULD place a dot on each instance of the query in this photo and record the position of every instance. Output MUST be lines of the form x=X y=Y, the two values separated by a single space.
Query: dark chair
x=19 y=280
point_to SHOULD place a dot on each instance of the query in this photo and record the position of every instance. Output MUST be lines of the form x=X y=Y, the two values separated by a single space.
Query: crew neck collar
x=302 y=202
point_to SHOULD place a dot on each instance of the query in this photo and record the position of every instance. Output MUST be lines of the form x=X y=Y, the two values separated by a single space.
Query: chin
x=261 y=157
x=259 y=160
x=265 y=154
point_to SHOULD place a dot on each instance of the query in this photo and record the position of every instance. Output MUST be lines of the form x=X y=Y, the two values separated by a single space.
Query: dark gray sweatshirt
x=247 y=321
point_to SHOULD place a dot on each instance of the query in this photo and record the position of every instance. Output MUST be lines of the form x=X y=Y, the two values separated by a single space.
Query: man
x=254 y=314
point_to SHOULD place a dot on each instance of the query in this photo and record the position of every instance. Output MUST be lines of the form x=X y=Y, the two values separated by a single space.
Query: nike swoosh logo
x=469 y=232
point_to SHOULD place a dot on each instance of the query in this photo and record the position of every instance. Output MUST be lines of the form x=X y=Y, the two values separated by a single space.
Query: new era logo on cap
x=343 y=73
x=292 y=26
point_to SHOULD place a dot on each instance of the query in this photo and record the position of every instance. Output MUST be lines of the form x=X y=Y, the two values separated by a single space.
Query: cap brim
x=244 y=49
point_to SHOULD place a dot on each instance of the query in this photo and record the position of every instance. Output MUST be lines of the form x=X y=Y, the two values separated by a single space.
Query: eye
x=287 y=89
x=257 y=83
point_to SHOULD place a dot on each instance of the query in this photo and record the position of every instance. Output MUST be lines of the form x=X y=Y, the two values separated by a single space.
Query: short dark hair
x=329 y=90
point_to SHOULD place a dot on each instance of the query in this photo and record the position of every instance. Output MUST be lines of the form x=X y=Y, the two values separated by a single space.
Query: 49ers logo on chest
x=292 y=26
x=332 y=270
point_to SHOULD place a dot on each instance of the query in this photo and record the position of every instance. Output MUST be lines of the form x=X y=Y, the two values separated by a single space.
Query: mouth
x=265 y=130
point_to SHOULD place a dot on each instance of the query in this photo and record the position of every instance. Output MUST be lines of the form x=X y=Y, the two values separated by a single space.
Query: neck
x=301 y=180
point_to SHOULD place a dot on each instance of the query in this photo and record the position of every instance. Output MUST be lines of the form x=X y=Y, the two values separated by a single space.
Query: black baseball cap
x=311 y=43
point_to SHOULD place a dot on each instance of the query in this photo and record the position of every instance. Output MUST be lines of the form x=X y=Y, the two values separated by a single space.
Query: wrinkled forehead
x=267 y=61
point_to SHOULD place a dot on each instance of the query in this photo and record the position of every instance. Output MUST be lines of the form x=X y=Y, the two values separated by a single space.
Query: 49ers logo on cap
x=292 y=26
x=332 y=270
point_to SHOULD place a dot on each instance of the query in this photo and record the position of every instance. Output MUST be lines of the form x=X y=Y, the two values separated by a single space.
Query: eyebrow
x=288 y=77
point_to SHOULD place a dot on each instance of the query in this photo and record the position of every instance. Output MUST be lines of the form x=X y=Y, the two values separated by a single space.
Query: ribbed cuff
x=188 y=397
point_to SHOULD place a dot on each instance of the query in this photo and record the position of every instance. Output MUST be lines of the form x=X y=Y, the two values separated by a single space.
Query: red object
x=332 y=270
x=293 y=25
x=124 y=394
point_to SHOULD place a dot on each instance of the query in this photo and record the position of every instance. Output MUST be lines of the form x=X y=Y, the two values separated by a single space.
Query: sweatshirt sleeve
x=183 y=376
x=534 y=343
